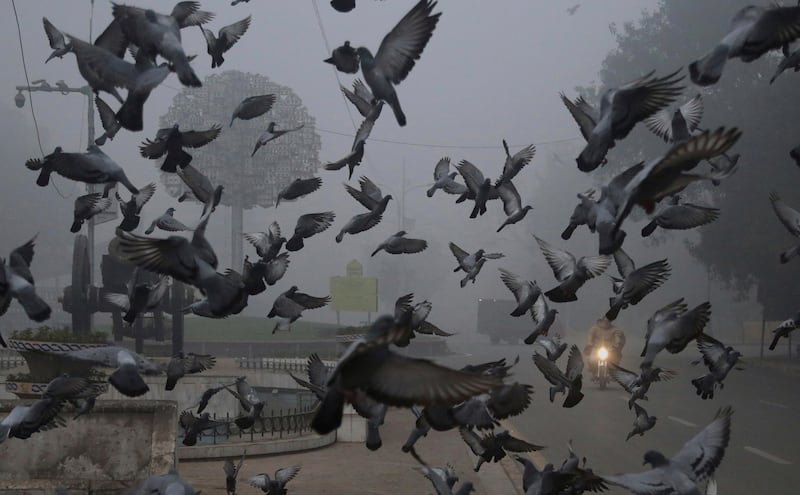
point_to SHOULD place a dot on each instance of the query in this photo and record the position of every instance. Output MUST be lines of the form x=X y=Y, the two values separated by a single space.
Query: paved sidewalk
x=349 y=468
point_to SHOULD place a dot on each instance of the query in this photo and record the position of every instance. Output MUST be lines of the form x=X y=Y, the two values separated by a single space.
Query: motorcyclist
x=604 y=334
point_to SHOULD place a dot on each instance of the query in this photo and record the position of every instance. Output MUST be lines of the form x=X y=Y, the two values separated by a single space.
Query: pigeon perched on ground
x=290 y=304
x=444 y=480
x=634 y=283
x=181 y=365
x=298 y=188
x=753 y=31
x=253 y=106
x=569 y=381
x=160 y=34
x=580 y=215
x=231 y=473
x=637 y=384
x=696 y=461
x=789 y=61
x=361 y=97
x=16 y=282
x=525 y=291
x=108 y=119
x=394 y=379
x=167 y=222
x=365 y=406
x=275 y=486
x=620 y=109
x=309 y=225
x=783 y=331
x=57 y=40
x=25 y=420
x=512 y=204
x=92 y=167
x=272 y=133
x=542 y=317
x=200 y=187
x=471 y=263
x=719 y=359
x=677 y=126
x=492 y=447
x=194 y=426
x=371 y=197
x=396 y=55
x=445 y=180
x=672 y=328
x=268 y=244
x=126 y=378
x=141 y=296
x=790 y=218
x=224 y=40
x=86 y=207
x=170 y=141
x=400 y=244
x=642 y=423
x=132 y=208
x=515 y=163
x=344 y=57
x=479 y=188
x=553 y=347
x=570 y=272
x=680 y=216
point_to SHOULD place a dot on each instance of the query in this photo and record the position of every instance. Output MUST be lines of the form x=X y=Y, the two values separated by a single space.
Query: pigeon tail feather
x=649 y=228
x=128 y=382
x=329 y=414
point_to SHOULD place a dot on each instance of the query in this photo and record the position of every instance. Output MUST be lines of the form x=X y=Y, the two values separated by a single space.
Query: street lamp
x=60 y=87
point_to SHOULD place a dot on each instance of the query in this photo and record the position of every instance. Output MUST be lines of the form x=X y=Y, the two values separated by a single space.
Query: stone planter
x=44 y=364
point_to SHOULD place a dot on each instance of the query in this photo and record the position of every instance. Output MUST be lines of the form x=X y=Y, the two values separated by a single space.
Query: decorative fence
x=295 y=365
x=288 y=422
x=10 y=359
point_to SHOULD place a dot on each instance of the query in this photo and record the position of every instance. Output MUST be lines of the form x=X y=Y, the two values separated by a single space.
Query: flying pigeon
x=789 y=61
x=470 y=263
x=92 y=167
x=309 y=225
x=356 y=154
x=272 y=133
x=108 y=119
x=298 y=188
x=253 y=106
x=515 y=163
x=552 y=346
x=753 y=32
x=542 y=317
x=677 y=127
x=783 y=331
x=672 y=328
x=580 y=214
x=200 y=187
x=268 y=244
x=719 y=359
x=445 y=180
x=696 y=461
x=400 y=244
x=194 y=426
x=621 y=108
x=570 y=272
x=16 y=282
x=371 y=197
x=571 y=380
x=25 y=420
x=637 y=384
x=634 y=283
x=277 y=485
x=231 y=473
x=141 y=297
x=166 y=484
x=444 y=481
x=344 y=57
x=397 y=54
x=642 y=423
x=680 y=216
x=86 y=207
x=126 y=378
x=790 y=218
x=493 y=446
x=181 y=365
x=170 y=141
x=361 y=97
x=290 y=304
x=167 y=222
x=512 y=204
x=224 y=40
x=57 y=40
x=479 y=188
x=132 y=208
x=525 y=291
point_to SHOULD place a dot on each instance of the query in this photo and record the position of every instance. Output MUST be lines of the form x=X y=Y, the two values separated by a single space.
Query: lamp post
x=61 y=87
x=401 y=207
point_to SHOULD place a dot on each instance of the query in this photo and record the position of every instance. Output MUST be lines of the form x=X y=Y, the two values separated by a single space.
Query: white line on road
x=767 y=456
x=775 y=404
x=682 y=421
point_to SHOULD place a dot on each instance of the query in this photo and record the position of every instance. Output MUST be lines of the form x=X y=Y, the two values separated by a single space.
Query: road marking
x=775 y=404
x=682 y=421
x=767 y=456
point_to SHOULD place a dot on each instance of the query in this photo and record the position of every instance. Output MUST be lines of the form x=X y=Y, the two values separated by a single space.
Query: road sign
x=354 y=292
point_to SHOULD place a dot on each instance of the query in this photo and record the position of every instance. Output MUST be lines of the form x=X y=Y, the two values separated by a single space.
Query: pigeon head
x=654 y=458
x=271 y=127
x=479 y=253
x=170 y=211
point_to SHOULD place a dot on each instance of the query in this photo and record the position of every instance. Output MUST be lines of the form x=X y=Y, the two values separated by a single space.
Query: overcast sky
x=492 y=70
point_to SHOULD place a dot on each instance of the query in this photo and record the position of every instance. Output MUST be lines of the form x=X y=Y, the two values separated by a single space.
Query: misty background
x=487 y=74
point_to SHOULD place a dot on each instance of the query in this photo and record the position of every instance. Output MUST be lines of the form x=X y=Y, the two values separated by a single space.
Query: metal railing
x=278 y=364
x=10 y=359
x=288 y=422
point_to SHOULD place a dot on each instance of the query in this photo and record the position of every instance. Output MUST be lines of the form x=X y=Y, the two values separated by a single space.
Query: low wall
x=119 y=443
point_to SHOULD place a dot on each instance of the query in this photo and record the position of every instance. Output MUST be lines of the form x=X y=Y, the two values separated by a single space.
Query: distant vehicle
x=495 y=321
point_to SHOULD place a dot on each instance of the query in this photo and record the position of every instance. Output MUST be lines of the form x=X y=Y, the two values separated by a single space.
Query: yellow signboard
x=354 y=293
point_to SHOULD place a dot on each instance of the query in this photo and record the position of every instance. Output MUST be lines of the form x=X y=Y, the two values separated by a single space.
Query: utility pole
x=61 y=87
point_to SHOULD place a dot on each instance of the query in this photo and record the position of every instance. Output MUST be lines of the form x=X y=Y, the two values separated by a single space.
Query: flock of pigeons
x=371 y=374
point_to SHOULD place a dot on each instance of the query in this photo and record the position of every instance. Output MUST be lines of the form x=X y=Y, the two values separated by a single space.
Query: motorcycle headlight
x=602 y=353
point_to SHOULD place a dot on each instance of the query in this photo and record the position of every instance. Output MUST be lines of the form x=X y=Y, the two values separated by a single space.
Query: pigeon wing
x=586 y=121
x=789 y=217
x=442 y=168
x=309 y=302
x=231 y=33
x=405 y=42
x=196 y=139
x=703 y=453
x=561 y=262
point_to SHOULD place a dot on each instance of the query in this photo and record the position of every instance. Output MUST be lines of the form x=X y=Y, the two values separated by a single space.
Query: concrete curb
x=267 y=447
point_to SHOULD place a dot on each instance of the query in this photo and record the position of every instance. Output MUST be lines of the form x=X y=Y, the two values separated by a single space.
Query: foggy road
x=762 y=456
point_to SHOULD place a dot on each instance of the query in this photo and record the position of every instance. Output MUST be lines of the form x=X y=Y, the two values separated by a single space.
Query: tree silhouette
x=248 y=181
